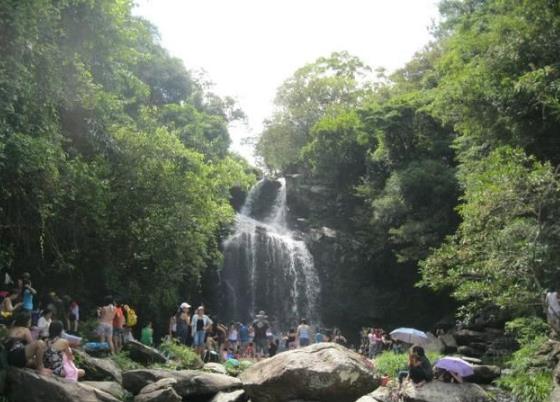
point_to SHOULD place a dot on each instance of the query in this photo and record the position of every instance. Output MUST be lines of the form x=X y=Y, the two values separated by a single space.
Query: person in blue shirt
x=243 y=338
x=27 y=294
x=319 y=337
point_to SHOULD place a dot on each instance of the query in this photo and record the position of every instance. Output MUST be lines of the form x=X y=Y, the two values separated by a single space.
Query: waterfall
x=266 y=267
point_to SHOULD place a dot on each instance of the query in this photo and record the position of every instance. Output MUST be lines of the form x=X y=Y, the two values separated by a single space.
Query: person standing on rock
x=200 y=324
x=183 y=324
x=303 y=334
x=243 y=338
x=260 y=326
x=118 y=327
x=553 y=310
x=106 y=314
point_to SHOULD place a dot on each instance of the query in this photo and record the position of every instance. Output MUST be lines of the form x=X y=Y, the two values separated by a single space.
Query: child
x=147 y=336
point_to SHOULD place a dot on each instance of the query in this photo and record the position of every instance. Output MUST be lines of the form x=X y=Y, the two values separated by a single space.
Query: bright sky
x=249 y=47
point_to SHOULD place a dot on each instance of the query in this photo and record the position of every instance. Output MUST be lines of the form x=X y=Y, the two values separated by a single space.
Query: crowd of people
x=216 y=341
x=38 y=329
x=41 y=330
x=375 y=341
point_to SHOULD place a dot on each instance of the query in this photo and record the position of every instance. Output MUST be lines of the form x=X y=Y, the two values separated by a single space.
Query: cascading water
x=265 y=266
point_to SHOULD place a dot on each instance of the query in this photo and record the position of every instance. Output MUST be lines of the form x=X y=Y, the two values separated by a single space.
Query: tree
x=506 y=248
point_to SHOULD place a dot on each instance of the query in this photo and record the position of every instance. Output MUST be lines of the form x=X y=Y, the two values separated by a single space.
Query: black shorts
x=16 y=357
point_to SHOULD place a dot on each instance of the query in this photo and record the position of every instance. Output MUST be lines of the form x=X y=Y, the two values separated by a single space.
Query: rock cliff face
x=357 y=288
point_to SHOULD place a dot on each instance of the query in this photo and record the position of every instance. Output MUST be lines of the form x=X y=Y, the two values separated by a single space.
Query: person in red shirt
x=118 y=327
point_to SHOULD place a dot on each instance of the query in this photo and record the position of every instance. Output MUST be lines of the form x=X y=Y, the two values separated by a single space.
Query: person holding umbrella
x=453 y=369
x=419 y=367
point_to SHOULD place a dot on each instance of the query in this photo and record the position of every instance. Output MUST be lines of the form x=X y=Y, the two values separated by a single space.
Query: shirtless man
x=106 y=314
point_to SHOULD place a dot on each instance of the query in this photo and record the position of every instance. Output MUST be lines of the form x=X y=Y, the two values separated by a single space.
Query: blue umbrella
x=409 y=335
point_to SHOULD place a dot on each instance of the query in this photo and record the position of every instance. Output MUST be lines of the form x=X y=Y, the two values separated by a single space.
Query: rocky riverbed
x=323 y=372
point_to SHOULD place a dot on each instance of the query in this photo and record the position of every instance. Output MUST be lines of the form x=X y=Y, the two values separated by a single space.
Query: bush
x=529 y=379
x=392 y=363
x=182 y=356
x=526 y=329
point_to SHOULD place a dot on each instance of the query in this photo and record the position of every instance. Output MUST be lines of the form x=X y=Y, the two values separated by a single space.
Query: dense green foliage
x=181 y=356
x=447 y=166
x=529 y=376
x=114 y=160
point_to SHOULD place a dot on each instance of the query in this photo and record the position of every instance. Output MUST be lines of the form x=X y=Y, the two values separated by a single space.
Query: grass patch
x=530 y=379
x=182 y=357
x=392 y=363
x=124 y=361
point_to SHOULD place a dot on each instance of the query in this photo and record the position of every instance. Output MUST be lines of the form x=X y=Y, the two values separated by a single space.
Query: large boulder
x=143 y=354
x=485 y=374
x=189 y=384
x=25 y=385
x=435 y=391
x=320 y=372
x=98 y=369
x=110 y=387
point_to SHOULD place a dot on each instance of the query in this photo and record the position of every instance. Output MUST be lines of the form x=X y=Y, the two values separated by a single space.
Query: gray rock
x=467 y=336
x=160 y=395
x=161 y=384
x=381 y=394
x=470 y=352
x=98 y=369
x=435 y=391
x=434 y=344
x=110 y=387
x=215 y=368
x=235 y=396
x=189 y=383
x=26 y=385
x=320 y=372
x=449 y=342
x=144 y=354
x=135 y=380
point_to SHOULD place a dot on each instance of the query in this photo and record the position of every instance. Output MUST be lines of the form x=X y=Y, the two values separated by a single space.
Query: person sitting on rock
x=44 y=323
x=419 y=367
x=58 y=355
x=21 y=350
x=447 y=376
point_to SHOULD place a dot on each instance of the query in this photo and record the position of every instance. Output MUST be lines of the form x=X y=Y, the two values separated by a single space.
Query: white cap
x=185 y=305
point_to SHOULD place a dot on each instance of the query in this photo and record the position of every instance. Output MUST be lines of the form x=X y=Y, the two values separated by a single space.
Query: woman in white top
x=233 y=335
x=44 y=323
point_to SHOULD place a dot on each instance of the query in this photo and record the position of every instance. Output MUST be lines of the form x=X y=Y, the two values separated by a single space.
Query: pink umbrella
x=455 y=365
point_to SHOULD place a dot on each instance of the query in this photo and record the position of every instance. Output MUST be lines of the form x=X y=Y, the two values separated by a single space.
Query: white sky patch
x=249 y=47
